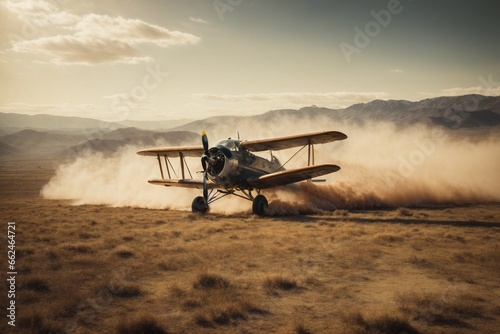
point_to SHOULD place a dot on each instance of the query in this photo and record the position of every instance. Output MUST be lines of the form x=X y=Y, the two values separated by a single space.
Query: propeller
x=204 y=159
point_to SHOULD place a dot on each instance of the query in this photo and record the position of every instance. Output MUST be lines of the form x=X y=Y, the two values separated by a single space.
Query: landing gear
x=259 y=202
x=199 y=205
x=259 y=205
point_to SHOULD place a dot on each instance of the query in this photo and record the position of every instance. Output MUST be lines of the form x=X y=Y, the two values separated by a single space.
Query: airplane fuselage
x=235 y=165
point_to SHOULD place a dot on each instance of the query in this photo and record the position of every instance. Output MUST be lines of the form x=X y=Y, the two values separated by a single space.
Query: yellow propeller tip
x=203 y=132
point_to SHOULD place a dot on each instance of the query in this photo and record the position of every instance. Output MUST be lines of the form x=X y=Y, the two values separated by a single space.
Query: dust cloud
x=116 y=180
x=381 y=166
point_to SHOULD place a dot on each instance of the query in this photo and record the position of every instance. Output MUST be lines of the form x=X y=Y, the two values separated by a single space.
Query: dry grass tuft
x=437 y=309
x=32 y=321
x=79 y=248
x=404 y=212
x=37 y=323
x=24 y=252
x=203 y=321
x=36 y=284
x=280 y=283
x=463 y=257
x=122 y=289
x=209 y=281
x=124 y=253
x=455 y=237
x=357 y=323
x=191 y=304
x=387 y=238
x=141 y=325
x=226 y=313
x=341 y=213
x=51 y=255
x=301 y=329
x=216 y=302
x=419 y=261
x=85 y=235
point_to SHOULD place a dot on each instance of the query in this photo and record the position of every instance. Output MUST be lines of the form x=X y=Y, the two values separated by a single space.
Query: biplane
x=230 y=167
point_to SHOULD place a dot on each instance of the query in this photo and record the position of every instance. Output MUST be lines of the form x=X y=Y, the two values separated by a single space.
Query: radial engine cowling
x=222 y=167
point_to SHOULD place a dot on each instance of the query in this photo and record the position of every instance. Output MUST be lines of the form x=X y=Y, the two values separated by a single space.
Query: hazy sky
x=172 y=59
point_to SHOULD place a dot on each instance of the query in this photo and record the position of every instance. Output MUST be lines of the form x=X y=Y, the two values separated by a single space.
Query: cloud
x=331 y=99
x=61 y=109
x=90 y=39
x=197 y=20
x=40 y=13
x=131 y=31
x=396 y=70
x=80 y=50
x=457 y=91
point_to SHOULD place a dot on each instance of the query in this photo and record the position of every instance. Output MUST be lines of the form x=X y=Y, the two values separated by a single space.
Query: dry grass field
x=96 y=269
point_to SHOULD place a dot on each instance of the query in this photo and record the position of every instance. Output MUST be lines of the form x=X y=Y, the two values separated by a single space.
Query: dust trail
x=382 y=166
x=116 y=180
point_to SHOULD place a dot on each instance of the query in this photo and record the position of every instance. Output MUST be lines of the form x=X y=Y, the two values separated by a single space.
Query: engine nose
x=216 y=161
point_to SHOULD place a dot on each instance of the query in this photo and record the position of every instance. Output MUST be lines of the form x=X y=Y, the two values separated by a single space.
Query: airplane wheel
x=259 y=205
x=199 y=205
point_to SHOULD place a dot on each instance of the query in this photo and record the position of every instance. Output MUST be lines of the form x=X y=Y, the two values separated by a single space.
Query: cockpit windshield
x=232 y=145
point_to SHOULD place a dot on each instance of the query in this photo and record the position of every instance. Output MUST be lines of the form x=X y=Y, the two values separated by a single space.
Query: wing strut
x=293 y=156
x=310 y=154
x=161 y=168
x=166 y=164
x=181 y=158
x=183 y=166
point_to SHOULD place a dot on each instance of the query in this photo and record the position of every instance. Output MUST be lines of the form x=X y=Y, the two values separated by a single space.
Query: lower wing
x=183 y=183
x=291 y=176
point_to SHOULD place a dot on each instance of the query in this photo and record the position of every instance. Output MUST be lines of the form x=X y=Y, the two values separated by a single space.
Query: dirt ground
x=96 y=269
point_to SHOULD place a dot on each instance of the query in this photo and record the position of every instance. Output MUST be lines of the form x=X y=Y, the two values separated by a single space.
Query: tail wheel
x=260 y=205
x=199 y=205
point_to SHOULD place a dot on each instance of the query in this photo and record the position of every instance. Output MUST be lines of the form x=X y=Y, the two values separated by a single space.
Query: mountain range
x=47 y=134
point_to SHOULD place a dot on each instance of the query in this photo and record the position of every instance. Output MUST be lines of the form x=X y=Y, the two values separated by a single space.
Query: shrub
x=437 y=309
x=35 y=322
x=141 y=325
x=208 y=281
x=280 y=283
x=405 y=212
x=122 y=289
x=36 y=284
x=84 y=249
x=355 y=322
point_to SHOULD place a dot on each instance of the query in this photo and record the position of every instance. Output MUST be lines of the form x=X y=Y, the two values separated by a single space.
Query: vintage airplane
x=230 y=167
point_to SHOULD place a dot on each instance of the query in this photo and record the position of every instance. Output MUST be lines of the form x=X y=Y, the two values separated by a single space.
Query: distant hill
x=8 y=150
x=469 y=111
x=10 y=123
x=108 y=145
x=31 y=141
x=47 y=134
x=38 y=142
x=155 y=125
x=51 y=122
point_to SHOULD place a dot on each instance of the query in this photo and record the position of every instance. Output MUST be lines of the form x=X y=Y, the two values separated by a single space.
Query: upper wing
x=184 y=183
x=187 y=151
x=291 y=176
x=283 y=143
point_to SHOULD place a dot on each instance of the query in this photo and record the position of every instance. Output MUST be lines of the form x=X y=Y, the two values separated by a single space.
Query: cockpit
x=234 y=146
x=231 y=144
